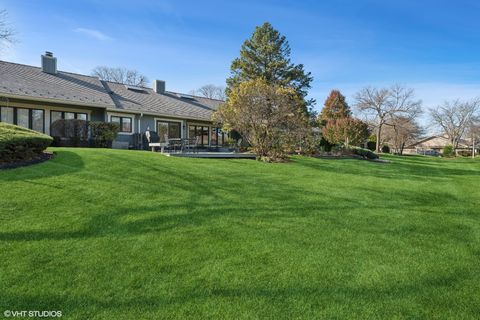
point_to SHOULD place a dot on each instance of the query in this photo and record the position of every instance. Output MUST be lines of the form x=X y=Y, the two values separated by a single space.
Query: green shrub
x=103 y=133
x=385 y=149
x=371 y=145
x=365 y=153
x=69 y=132
x=448 y=151
x=17 y=143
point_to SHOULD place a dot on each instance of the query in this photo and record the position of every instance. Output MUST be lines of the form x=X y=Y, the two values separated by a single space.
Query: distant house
x=434 y=145
x=35 y=97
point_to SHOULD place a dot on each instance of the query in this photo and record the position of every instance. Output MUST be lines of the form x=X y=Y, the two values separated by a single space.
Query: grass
x=110 y=234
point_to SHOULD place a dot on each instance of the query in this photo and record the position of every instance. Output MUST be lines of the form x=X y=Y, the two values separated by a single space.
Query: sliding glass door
x=201 y=133
x=169 y=130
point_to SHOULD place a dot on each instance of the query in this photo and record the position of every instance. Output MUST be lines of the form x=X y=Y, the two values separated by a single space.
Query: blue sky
x=432 y=46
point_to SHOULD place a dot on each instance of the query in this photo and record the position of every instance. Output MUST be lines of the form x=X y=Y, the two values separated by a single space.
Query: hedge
x=365 y=153
x=18 y=143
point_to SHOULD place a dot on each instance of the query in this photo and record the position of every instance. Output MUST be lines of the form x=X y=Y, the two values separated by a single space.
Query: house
x=35 y=97
x=434 y=145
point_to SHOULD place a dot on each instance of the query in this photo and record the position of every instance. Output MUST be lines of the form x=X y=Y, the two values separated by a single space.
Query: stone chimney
x=49 y=63
x=159 y=86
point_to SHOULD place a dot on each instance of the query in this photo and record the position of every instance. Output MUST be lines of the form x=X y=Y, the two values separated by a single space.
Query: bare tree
x=454 y=118
x=7 y=33
x=474 y=133
x=383 y=105
x=211 y=91
x=402 y=131
x=120 y=75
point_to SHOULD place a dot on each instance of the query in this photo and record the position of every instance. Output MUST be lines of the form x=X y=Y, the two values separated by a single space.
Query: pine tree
x=335 y=108
x=266 y=55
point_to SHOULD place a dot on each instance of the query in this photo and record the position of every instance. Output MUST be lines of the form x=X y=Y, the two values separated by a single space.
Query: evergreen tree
x=266 y=55
x=335 y=108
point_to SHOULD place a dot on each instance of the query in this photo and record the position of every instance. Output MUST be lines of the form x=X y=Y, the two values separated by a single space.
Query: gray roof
x=32 y=82
x=19 y=80
x=167 y=104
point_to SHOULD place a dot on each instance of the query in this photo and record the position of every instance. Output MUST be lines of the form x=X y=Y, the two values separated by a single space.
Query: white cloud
x=93 y=34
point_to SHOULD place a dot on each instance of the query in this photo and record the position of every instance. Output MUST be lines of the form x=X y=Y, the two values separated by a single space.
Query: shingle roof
x=70 y=88
x=32 y=82
x=168 y=104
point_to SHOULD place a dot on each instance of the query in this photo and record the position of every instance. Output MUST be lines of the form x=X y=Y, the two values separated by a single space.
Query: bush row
x=365 y=153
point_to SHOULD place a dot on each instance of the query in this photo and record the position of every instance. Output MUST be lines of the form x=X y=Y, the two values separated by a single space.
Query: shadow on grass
x=65 y=162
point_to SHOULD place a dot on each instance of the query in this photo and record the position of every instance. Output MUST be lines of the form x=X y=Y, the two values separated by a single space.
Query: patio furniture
x=154 y=141
x=175 y=143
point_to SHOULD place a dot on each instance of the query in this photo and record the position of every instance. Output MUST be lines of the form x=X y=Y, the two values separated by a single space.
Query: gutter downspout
x=140 y=131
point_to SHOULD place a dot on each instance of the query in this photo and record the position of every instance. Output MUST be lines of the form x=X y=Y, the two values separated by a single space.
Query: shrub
x=371 y=145
x=103 y=133
x=385 y=149
x=365 y=153
x=448 y=151
x=17 y=143
x=69 y=132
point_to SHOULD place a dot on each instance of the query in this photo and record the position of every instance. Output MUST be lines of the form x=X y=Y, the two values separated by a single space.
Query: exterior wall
x=95 y=114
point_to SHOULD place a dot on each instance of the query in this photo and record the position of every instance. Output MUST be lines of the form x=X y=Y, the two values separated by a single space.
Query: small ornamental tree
x=335 y=108
x=347 y=131
x=268 y=117
x=338 y=125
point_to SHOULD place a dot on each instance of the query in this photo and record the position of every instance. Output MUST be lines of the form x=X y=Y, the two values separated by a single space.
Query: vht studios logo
x=32 y=314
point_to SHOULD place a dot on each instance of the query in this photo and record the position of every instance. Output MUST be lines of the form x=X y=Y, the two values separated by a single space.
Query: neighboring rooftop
x=29 y=82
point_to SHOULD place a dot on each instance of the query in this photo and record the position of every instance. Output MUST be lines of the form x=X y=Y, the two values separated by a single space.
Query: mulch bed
x=23 y=163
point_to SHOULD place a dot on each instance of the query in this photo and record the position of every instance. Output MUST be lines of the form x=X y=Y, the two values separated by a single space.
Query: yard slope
x=111 y=234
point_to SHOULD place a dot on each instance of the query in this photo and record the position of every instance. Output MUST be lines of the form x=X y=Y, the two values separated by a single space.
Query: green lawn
x=110 y=234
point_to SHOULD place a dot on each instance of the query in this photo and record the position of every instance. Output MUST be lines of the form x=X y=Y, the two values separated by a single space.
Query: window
x=218 y=137
x=38 y=123
x=169 y=130
x=23 y=118
x=69 y=115
x=58 y=115
x=199 y=132
x=55 y=115
x=6 y=114
x=125 y=123
x=28 y=118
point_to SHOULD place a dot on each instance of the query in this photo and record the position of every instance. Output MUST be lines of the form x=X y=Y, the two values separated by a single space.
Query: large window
x=23 y=118
x=125 y=123
x=199 y=132
x=38 y=123
x=28 y=118
x=58 y=115
x=169 y=130
x=6 y=115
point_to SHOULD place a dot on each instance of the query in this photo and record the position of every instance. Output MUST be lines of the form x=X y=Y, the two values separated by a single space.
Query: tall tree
x=120 y=75
x=335 y=107
x=7 y=33
x=210 y=91
x=384 y=105
x=266 y=55
x=453 y=118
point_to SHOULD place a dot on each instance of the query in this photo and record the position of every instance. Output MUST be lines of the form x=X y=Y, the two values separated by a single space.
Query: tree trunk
x=379 y=132
x=473 y=147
